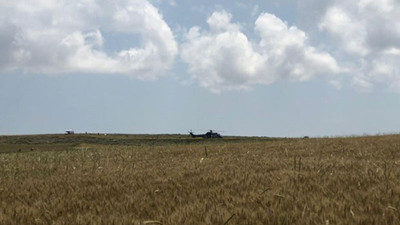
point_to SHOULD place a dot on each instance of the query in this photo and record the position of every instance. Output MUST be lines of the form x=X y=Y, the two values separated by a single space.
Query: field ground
x=173 y=179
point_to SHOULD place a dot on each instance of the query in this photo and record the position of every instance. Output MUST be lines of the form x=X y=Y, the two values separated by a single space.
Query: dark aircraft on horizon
x=209 y=134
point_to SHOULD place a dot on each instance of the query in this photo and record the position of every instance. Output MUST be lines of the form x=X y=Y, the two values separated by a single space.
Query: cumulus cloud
x=367 y=36
x=224 y=58
x=42 y=36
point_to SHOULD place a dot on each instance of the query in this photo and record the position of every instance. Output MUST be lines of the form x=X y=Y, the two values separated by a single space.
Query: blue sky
x=257 y=68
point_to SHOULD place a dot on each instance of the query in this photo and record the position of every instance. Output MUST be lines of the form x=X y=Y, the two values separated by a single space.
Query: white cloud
x=224 y=58
x=367 y=33
x=349 y=31
x=43 y=36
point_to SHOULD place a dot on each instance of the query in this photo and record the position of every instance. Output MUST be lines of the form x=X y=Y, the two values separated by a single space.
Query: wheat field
x=173 y=180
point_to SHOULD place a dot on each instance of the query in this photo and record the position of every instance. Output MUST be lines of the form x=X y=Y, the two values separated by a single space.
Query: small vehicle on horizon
x=209 y=134
x=69 y=132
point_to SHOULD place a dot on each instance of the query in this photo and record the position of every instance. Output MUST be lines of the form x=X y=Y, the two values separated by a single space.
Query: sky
x=280 y=68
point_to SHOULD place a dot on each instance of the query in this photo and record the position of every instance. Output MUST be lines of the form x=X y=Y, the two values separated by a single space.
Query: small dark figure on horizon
x=209 y=134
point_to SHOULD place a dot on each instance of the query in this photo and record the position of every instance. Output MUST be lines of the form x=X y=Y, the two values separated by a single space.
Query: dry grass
x=303 y=181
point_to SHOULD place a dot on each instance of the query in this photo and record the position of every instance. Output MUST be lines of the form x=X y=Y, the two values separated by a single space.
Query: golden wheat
x=288 y=181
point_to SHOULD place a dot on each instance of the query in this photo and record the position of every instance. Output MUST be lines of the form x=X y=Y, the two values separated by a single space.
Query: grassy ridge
x=179 y=181
x=70 y=142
